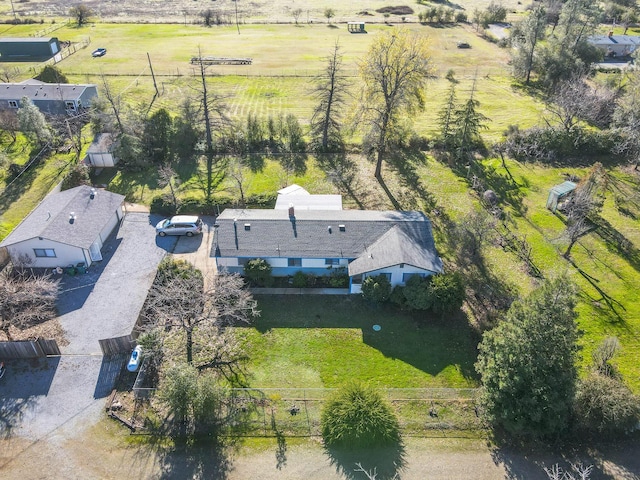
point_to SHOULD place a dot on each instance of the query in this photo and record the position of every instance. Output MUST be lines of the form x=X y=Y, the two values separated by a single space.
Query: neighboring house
x=28 y=49
x=66 y=228
x=50 y=98
x=615 y=45
x=363 y=242
x=101 y=152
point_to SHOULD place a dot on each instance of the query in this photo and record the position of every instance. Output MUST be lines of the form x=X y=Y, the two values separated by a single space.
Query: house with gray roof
x=66 y=228
x=615 y=45
x=50 y=98
x=363 y=242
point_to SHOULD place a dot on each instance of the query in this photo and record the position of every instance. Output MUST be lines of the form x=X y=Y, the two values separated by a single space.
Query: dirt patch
x=399 y=10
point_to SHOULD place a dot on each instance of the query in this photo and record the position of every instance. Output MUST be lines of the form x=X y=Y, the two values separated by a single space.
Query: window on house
x=407 y=276
x=243 y=261
x=70 y=105
x=388 y=275
x=294 y=262
x=13 y=103
x=45 y=252
x=332 y=261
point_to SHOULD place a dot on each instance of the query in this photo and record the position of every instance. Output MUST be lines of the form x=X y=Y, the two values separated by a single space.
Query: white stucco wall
x=65 y=254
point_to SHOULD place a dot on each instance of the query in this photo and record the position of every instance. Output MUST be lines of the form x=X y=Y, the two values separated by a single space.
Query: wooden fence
x=29 y=348
x=117 y=345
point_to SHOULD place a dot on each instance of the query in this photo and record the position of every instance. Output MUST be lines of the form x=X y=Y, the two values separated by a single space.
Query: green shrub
x=446 y=292
x=163 y=205
x=339 y=278
x=605 y=406
x=376 y=288
x=299 y=280
x=79 y=175
x=258 y=272
x=417 y=294
x=357 y=416
x=170 y=268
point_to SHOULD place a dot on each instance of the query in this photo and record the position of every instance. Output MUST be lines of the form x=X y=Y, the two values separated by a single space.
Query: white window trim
x=44 y=252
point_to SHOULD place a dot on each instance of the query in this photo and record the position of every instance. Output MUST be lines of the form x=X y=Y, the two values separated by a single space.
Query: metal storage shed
x=559 y=192
x=28 y=49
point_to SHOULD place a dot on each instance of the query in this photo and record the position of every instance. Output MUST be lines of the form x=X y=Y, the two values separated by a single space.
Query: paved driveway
x=57 y=397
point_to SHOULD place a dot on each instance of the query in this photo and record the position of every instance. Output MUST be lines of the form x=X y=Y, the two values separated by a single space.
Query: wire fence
x=297 y=412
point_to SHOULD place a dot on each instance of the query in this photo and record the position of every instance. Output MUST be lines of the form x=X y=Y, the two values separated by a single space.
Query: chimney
x=292 y=212
x=610 y=34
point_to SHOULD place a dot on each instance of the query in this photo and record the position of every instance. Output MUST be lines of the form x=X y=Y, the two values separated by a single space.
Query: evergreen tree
x=527 y=363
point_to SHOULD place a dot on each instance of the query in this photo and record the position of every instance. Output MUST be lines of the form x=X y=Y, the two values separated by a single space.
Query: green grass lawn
x=320 y=341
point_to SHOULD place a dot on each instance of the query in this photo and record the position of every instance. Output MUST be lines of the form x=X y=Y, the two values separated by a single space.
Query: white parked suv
x=188 y=225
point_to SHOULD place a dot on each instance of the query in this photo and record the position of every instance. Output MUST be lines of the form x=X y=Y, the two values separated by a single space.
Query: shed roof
x=50 y=219
x=309 y=202
x=563 y=188
x=390 y=237
x=293 y=189
x=103 y=143
x=27 y=39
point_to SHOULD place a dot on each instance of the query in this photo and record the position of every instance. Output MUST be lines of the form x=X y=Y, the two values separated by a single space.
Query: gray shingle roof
x=393 y=237
x=50 y=91
x=50 y=219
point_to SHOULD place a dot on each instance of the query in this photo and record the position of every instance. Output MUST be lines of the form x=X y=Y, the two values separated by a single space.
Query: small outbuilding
x=28 y=49
x=356 y=27
x=66 y=228
x=100 y=153
x=559 y=193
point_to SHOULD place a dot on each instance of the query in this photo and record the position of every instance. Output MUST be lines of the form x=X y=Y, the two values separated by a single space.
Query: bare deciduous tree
x=167 y=178
x=183 y=303
x=574 y=99
x=296 y=12
x=25 y=299
x=395 y=72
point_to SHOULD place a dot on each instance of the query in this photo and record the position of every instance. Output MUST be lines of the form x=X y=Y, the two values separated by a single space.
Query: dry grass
x=50 y=330
x=256 y=11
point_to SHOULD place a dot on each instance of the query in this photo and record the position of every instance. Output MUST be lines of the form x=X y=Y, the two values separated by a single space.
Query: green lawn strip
x=614 y=273
x=318 y=341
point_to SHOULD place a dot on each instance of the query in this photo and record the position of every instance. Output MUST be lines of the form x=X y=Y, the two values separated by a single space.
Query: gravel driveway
x=59 y=397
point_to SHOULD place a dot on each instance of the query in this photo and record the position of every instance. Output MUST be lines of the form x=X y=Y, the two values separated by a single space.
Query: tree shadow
x=281 y=450
x=18 y=185
x=419 y=339
x=342 y=171
x=199 y=460
x=612 y=304
x=23 y=382
x=617 y=243
x=387 y=462
x=405 y=163
x=294 y=162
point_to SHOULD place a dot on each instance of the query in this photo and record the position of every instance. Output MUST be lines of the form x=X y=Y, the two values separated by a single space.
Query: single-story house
x=363 y=242
x=50 y=98
x=29 y=49
x=615 y=45
x=100 y=152
x=66 y=228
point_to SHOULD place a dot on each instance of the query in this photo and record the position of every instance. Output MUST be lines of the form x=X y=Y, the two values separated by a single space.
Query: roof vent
x=342 y=228
x=92 y=195
x=72 y=217
x=329 y=229
x=247 y=226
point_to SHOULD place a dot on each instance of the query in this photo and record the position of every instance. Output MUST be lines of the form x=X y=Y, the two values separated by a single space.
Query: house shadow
x=76 y=288
x=422 y=340
x=24 y=381
x=110 y=370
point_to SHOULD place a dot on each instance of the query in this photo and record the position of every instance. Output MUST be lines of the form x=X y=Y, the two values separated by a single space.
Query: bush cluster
x=357 y=416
